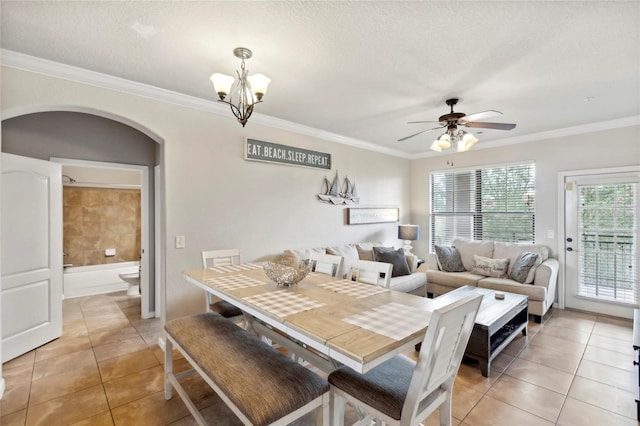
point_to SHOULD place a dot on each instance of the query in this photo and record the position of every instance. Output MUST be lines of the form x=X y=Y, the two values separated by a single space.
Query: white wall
x=217 y=199
x=551 y=156
x=214 y=197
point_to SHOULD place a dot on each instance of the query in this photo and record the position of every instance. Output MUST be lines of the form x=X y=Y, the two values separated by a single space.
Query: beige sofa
x=539 y=286
x=413 y=283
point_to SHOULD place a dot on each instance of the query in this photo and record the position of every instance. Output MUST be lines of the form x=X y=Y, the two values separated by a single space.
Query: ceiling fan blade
x=419 y=122
x=480 y=115
x=419 y=133
x=498 y=126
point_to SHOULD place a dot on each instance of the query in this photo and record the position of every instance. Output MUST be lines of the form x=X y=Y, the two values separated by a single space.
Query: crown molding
x=18 y=60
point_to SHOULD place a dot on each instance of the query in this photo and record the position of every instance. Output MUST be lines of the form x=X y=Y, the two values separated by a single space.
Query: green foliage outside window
x=496 y=203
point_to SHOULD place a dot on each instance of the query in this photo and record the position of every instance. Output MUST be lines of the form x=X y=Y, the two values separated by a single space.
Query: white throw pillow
x=490 y=267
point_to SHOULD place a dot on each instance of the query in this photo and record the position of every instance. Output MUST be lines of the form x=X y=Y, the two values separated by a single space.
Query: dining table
x=325 y=320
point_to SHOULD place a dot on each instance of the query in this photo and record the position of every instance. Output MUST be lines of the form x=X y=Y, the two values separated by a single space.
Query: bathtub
x=96 y=279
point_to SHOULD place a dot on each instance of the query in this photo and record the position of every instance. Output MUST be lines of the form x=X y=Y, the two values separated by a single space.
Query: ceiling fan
x=452 y=120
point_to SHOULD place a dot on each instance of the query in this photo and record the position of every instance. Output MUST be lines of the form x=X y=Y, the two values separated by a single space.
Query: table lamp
x=408 y=233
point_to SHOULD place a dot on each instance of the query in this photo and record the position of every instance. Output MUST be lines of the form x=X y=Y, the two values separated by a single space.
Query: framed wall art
x=359 y=216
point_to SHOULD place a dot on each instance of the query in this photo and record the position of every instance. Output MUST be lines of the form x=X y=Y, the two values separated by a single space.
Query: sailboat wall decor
x=339 y=194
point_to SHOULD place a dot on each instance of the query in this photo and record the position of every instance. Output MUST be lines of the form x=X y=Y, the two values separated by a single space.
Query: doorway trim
x=145 y=307
x=562 y=177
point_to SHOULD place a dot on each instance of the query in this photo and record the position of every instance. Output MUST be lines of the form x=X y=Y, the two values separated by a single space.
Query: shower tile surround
x=96 y=219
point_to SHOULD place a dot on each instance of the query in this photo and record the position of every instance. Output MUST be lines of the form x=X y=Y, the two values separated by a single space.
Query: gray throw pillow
x=396 y=257
x=522 y=265
x=449 y=259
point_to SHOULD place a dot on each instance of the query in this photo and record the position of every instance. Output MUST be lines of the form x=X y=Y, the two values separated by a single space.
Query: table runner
x=351 y=288
x=392 y=320
x=233 y=282
x=283 y=303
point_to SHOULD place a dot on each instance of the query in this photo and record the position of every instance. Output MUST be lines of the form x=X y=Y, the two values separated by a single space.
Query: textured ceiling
x=363 y=69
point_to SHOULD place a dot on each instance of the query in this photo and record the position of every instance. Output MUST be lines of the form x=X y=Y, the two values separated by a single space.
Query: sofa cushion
x=453 y=279
x=467 y=248
x=408 y=283
x=293 y=256
x=396 y=257
x=521 y=267
x=534 y=292
x=347 y=251
x=490 y=267
x=449 y=259
x=513 y=250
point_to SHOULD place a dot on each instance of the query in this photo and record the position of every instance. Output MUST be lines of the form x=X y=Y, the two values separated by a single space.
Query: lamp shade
x=467 y=141
x=222 y=83
x=259 y=84
x=409 y=232
x=444 y=141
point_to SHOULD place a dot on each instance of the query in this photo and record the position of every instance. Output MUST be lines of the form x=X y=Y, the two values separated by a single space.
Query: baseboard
x=1 y=388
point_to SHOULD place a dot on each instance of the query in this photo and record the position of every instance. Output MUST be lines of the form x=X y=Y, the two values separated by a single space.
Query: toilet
x=133 y=279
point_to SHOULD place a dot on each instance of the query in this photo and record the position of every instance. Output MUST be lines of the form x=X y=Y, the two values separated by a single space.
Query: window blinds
x=496 y=203
x=607 y=246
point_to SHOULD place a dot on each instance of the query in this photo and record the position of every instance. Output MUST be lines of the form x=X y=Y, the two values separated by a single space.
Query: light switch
x=179 y=241
x=110 y=252
x=550 y=234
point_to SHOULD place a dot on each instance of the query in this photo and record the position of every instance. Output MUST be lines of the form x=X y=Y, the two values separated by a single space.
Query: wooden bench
x=258 y=383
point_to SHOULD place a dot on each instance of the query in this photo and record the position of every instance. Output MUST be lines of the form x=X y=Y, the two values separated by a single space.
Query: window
x=496 y=203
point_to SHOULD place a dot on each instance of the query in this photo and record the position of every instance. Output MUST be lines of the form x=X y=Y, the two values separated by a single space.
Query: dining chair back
x=223 y=257
x=400 y=392
x=370 y=272
x=326 y=263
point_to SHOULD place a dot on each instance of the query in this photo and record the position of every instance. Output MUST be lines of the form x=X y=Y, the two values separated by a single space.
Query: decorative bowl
x=287 y=274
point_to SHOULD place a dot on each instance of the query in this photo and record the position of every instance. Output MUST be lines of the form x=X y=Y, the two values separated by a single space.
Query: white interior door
x=601 y=242
x=31 y=216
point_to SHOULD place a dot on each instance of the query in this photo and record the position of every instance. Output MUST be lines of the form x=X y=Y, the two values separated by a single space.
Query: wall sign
x=357 y=216
x=275 y=153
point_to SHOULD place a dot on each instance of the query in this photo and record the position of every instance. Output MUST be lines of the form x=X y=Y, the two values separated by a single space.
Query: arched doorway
x=85 y=134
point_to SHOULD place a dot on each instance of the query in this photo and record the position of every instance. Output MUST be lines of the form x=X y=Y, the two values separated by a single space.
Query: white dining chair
x=326 y=263
x=370 y=272
x=224 y=257
x=400 y=392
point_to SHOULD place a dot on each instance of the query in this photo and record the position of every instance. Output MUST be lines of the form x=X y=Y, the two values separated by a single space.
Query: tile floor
x=106 y=369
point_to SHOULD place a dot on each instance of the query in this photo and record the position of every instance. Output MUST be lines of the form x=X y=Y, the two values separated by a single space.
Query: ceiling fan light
x=467 y=141
x=222 y=84
x=444 y=141
x=435 y=146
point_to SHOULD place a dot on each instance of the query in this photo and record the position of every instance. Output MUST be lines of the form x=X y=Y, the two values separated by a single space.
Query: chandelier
x=242 y=93
x=464 y=140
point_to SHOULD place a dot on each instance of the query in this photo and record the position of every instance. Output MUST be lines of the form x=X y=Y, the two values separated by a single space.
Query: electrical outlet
x=179 y=241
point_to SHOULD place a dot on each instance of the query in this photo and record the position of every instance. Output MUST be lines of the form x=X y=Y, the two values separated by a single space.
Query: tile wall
x=96 y=219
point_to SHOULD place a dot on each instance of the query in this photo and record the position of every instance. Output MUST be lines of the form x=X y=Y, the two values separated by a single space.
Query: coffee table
x=498 y=322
